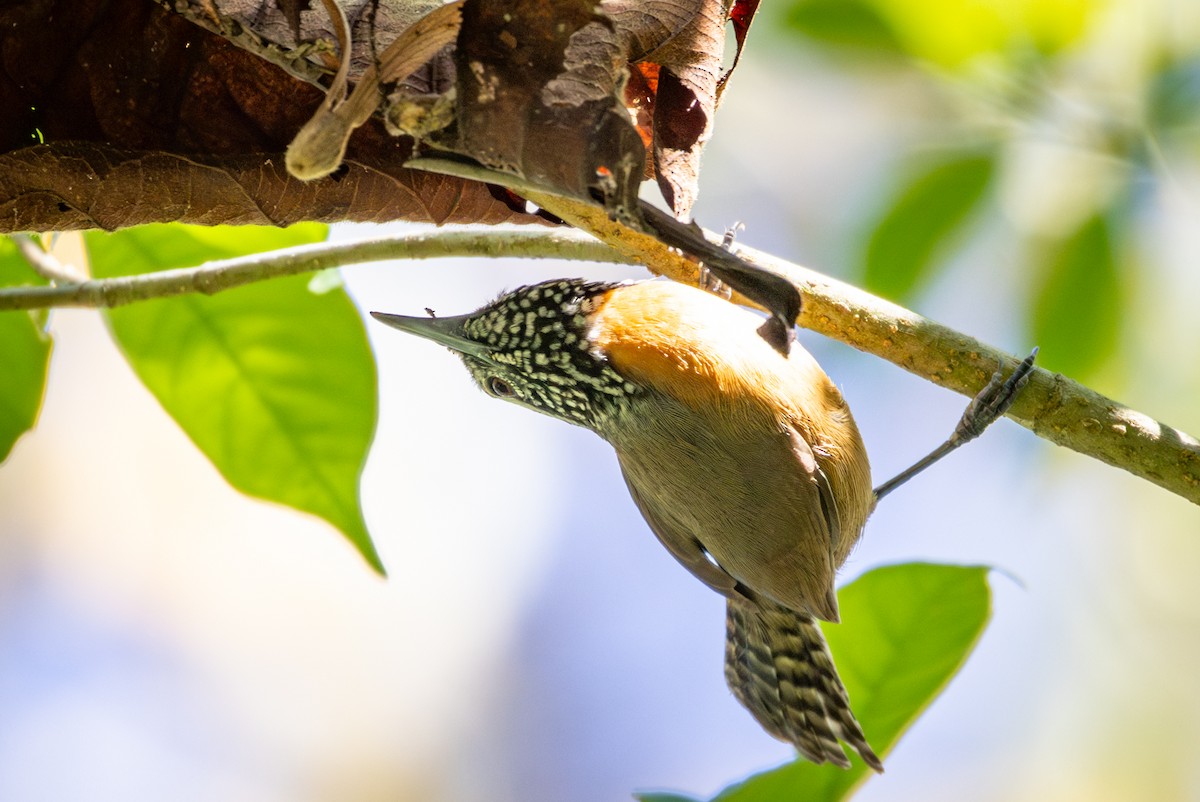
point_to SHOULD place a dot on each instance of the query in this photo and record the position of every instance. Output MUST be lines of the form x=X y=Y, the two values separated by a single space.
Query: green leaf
x=921 y=221
x=951 y=34
x=843 y=23
x=906 y=631
x=663 y=796
x=24 y=355
x=1077 y=307
x=274 y=383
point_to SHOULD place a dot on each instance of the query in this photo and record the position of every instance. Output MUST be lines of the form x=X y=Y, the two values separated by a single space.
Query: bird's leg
x=991 y=402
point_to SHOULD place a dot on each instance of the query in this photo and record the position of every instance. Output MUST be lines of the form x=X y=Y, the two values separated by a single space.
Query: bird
x=745 y=463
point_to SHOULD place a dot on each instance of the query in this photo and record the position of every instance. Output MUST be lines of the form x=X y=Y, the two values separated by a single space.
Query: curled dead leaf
x=320 y=146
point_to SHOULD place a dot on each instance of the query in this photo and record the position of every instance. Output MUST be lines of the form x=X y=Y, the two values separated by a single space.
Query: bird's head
x=535 y=347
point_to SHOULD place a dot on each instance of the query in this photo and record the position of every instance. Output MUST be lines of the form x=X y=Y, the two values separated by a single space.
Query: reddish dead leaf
x=741 y=15
x=640 y=92
x=689 y=69
x=681 y=122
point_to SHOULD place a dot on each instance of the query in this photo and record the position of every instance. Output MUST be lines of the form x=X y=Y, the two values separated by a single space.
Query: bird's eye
x=500 y=388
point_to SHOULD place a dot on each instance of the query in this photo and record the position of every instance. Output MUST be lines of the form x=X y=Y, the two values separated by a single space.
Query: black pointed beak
x=447 y=331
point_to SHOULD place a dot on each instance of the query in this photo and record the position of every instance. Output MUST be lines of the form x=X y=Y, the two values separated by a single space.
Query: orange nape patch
x=699 y=349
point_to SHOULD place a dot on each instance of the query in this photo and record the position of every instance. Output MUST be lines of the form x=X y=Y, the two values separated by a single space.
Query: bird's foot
x=993 y=400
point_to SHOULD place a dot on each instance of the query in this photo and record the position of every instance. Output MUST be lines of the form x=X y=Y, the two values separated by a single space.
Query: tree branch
x=213 y=277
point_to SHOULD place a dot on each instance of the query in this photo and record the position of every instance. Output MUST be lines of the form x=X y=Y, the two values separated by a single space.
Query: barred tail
x=778 y=666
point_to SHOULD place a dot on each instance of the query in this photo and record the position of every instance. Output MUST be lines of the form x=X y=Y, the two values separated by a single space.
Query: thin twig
x=214 y=277
x=45 y=264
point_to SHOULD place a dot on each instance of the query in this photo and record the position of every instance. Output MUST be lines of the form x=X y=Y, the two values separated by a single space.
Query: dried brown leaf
x=537 y=96
x=84 y=185
x=148 y=117
x=291 y=11
x=320 y=146
x=741 y=15
x=689 y=71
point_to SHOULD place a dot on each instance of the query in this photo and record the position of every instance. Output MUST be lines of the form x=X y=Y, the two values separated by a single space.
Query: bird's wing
x=808 y=460
x=826 y=608
x=684 y=546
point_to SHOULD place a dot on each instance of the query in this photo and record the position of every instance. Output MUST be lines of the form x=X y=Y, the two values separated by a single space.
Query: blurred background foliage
x=1054 y=121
